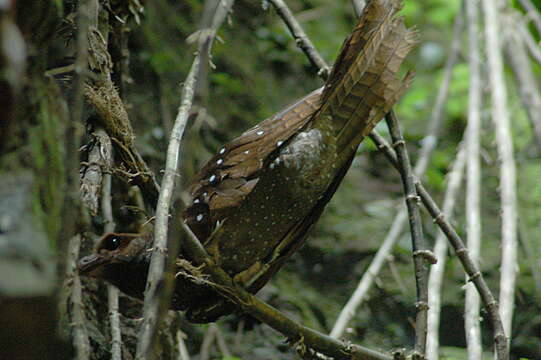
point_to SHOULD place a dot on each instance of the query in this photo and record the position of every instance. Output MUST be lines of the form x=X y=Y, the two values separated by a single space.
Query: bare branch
x=435 y=279
x=107 y=213
x=154 y=303
x=157 y=294
x=508 y=185
x=461 y=251
x=532 y=13
x=182 y=349
x=301 y=38
x=531 y=44
x=473 y=213
x=525 y=78
x=419 y=246
x=250 y=304
x=80 y=334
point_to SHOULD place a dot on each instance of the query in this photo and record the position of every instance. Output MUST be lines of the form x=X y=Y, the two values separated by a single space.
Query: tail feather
x=363 y=85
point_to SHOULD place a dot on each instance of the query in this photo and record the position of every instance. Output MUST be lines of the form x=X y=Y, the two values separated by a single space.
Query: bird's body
x=256 y=199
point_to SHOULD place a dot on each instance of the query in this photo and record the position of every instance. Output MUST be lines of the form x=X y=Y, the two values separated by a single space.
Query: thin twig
x=531 y=44
x=206 y=344
x=222 y=345
x=78 y=321
x=532 y=13
x=156 y=296
x=429 y=144
x=419 y=246
x=435 y=279
x=301 y=38
x=525 y=78
x=81 y=341
x=155 y=303
x=107 y=213
x=461 y=251
x=183 y=353
x=250 y=304
x=473 y=213
x=508 y=184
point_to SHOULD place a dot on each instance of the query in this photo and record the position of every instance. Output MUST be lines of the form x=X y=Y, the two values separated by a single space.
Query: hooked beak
x=89 y=263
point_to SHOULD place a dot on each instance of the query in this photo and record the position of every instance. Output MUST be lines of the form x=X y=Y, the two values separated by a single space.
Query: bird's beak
x=89 y=263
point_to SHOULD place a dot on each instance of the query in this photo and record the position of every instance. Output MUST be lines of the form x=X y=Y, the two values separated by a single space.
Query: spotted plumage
x=254 y=202
x=267 y=187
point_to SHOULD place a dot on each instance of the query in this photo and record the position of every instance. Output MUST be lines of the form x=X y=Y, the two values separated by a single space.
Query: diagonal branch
x=250 y=304
x=532 y=13
x=157 y=294
x=160 y=278
x=429 y=145
x=525 y=77
x=475 y=275
x=470 y=268
x=435 y=279
x=302 y=40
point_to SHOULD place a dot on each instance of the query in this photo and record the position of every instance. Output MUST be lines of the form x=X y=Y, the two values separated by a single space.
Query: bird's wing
x=231 y=174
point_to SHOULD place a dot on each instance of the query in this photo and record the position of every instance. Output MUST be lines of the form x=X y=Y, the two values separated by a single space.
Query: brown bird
x=254 y=202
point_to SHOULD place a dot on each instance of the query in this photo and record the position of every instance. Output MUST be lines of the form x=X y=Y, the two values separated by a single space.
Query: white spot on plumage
x=279 y=143
x=220 y=162
x=199 y=217
x=246 y=152
x=222 y=150
x=212 y=178
x=260 y=132
x=196 y=201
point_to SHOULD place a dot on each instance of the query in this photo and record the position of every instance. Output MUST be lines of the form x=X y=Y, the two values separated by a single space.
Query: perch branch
x=252 y=305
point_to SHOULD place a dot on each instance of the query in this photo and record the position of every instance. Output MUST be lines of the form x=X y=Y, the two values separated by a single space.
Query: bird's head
x=120 y=259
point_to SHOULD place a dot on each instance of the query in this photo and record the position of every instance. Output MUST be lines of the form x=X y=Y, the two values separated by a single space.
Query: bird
x=254 y=202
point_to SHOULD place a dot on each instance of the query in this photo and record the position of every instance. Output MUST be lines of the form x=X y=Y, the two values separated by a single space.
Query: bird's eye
x=113 y=243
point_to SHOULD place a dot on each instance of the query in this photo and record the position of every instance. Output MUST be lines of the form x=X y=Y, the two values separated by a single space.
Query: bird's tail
x=364 y=85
